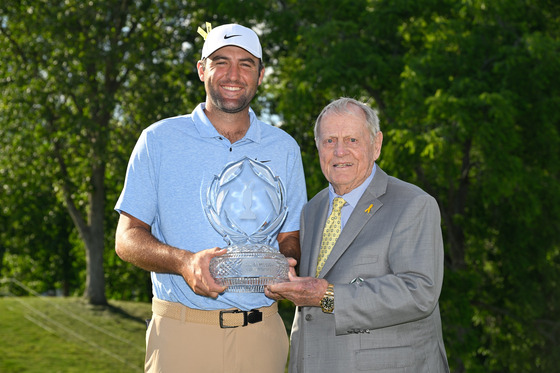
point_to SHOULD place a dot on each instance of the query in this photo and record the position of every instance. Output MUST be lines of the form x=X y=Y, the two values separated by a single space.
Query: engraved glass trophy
x=246 y=204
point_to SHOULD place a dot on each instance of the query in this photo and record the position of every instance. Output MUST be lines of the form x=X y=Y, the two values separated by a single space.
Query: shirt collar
x=206 y=129
x=355 y=194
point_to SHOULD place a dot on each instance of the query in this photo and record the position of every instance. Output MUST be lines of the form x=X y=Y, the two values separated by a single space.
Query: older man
x=371 y=263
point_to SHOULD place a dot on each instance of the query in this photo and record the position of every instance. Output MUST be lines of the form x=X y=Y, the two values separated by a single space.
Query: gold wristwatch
x=327 y=303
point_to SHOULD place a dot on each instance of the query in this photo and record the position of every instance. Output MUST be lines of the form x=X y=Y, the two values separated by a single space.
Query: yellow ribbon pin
x=369 y=208
x=203 y=33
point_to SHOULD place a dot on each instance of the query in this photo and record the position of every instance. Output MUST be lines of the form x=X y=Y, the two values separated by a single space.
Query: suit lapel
x=318 y=217
x=366 y=208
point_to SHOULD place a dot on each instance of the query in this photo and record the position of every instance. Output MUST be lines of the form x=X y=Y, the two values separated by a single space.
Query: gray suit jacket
x=387 y=271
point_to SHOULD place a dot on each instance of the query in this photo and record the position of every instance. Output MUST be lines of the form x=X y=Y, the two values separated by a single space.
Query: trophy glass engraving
x=246 y=204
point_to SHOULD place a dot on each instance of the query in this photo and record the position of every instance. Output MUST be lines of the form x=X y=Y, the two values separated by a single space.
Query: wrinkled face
x=231 y=77
x=346 y=149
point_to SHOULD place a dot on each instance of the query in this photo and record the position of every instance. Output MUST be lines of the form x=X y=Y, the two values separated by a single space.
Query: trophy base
x=249 y=271
x=247 y=284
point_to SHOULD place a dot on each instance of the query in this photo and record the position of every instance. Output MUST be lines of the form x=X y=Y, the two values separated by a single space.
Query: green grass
x=52 y=334
x=47 y=334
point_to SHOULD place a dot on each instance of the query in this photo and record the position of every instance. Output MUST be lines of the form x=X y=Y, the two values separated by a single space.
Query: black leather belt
x=249 y=317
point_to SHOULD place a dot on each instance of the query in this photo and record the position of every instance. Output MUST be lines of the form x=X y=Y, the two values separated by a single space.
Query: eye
x=353 y=140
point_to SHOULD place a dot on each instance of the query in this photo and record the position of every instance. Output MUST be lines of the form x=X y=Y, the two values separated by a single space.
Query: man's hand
x=293 y=264
x=302 y=291
x=291 y=274
x=196 y=272
x=136 y=244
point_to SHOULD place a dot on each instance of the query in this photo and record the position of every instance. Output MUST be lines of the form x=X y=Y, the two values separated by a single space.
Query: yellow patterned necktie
x=330 y=233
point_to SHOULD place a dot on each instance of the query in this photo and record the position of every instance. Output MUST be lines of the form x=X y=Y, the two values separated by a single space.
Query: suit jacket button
x=308 y=317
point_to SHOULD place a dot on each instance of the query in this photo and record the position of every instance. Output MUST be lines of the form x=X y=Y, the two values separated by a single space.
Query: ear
x=261 y=77
x=200 y=70
x=377 y=143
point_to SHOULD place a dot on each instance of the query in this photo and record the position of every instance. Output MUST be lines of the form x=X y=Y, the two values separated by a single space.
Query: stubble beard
x=228 y=106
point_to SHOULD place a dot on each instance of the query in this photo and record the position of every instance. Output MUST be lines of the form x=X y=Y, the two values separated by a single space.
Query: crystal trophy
x=246 y=204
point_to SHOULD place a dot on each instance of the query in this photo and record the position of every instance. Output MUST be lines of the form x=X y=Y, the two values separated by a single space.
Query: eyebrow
x=223 y=57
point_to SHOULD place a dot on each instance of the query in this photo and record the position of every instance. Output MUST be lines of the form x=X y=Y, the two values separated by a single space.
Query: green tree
x=467 y=94
x=485 y=78
x=80 y=80
x=67 y=67
x=31 y=218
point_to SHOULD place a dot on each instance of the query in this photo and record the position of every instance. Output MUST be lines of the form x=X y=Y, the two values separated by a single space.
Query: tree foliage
x=80 y=81
x=66 y=67
x=467 y=93
x=466 y=90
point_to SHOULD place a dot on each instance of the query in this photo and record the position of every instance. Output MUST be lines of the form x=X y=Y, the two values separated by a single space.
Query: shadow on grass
x=115 y=310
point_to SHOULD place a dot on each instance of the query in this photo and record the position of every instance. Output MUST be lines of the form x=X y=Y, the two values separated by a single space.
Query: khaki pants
x=174 y=345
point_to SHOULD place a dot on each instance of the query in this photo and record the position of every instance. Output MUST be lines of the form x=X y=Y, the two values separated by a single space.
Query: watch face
x=327 y=304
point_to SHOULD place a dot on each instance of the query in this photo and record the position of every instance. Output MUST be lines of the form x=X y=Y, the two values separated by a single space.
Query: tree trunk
x=95 y=278
x=92 y=230
x=95 y=240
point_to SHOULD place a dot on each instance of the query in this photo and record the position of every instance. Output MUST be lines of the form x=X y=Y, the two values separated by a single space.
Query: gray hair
x=341 y=106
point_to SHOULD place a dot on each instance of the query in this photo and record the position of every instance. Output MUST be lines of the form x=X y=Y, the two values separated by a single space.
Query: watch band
x=327 y=302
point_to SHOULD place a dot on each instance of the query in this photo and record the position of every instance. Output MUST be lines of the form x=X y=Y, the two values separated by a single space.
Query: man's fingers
x=272 y=295
x=292 y=262
x=218 y=251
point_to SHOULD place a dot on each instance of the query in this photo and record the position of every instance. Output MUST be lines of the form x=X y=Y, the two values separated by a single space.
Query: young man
x=196 y=326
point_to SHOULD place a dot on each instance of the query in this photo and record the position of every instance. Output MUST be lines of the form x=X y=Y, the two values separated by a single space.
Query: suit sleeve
x=406 y=283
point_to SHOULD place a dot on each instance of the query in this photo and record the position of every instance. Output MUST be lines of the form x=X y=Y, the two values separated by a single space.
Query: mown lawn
x=53 y=334
x=48 y=334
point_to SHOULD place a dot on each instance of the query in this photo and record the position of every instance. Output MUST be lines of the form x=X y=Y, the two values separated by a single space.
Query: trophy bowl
x=246 y=205
x=249 y=268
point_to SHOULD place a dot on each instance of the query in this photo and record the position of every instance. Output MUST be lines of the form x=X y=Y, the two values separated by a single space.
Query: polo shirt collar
x=206 y=129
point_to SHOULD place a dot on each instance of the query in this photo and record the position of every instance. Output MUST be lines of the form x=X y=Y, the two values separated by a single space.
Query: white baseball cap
x=232 y=34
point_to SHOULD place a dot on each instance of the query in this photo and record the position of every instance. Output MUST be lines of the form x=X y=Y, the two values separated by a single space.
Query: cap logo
x=230 y=36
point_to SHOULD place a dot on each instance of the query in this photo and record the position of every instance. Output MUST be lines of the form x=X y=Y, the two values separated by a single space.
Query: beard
x=230 y=106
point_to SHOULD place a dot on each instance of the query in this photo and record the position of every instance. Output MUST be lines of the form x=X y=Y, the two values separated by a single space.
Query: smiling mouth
x=232 y=89
x=342 y=165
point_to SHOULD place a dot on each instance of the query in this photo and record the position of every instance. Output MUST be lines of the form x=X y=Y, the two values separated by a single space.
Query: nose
x=233 y=72
x=340 y=149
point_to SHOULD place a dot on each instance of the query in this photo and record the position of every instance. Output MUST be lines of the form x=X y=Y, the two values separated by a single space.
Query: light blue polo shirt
x=168 y=175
